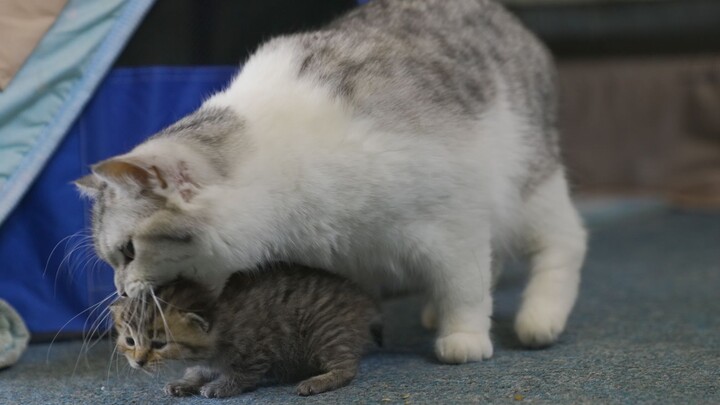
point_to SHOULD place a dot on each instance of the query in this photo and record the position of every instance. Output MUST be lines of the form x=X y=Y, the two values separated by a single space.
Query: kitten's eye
x=128 y=251
x=129 y=341
x=156 y=344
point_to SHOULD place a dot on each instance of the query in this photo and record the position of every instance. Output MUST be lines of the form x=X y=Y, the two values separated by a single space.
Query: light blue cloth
x=51 y=88
x=14 y=335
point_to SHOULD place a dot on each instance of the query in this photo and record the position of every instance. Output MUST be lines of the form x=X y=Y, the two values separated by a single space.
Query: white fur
x=321 y=187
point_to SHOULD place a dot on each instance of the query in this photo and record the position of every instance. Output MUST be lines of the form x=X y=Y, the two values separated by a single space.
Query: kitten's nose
x=141 y=362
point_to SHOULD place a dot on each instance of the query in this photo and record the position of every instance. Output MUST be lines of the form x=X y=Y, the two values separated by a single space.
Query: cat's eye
x=157 y=345
x=129 y=341
x=128 y=251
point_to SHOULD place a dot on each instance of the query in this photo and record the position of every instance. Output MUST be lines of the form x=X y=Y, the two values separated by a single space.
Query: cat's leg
x=190 y=383
x=339 y=374
x=461 y=296
x=428 y=317
x=558 y=242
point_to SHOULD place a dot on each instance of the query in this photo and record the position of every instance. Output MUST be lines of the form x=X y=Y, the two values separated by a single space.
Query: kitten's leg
x=558 y=244
x=461 y=292
x=428 y=317
x=240 y=378
x=339 y=375
x=194 y=378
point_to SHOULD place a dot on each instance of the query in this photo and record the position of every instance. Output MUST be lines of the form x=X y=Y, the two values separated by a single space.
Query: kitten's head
x=174 y=325
x=148 y=223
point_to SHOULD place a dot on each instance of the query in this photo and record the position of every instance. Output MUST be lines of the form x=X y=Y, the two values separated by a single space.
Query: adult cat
x=405 y=145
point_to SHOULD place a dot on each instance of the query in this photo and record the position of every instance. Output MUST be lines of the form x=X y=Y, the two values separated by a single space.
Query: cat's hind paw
x=463 y=347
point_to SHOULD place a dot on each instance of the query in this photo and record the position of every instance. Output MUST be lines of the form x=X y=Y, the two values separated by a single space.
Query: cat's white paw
x=538 y=325
x=428 y=318
x=463 y=347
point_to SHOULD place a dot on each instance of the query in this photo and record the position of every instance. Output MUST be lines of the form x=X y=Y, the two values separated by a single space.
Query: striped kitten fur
x=287 y=322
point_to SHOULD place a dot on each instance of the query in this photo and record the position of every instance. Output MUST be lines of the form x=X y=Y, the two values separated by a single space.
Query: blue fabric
x=130 y=105
x=53 y=85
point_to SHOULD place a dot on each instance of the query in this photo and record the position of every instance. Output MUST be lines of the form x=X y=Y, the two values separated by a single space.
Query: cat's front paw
x=463 y=347
x=180 y=389
x=538 y=326
x=221 y=388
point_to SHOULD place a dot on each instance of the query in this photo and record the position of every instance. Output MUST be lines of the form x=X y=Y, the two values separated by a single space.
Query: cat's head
x=174 y=325
x=148 y=222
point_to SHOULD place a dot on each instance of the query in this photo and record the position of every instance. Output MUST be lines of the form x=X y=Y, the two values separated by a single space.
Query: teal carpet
x=646 y=330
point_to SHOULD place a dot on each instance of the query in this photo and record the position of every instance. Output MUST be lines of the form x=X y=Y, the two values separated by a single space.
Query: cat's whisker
x=99 y=323
x=52 y=252
x=90 y=308
x=112 y=355
x=168 y=332
x=66 y=261
x=86 y=337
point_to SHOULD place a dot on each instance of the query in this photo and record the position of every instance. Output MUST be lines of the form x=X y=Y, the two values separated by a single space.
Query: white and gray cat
x=409 y=144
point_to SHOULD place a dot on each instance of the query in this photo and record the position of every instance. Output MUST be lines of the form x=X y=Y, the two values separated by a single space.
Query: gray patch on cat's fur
x=415 y=65
x=211 y=132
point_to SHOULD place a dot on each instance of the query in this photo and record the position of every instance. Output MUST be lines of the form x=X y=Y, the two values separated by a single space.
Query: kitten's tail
x=376 y=330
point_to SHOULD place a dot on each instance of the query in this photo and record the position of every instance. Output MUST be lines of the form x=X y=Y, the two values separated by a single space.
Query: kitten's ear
x=116 y=310
x=88 y=186
x=198 y=321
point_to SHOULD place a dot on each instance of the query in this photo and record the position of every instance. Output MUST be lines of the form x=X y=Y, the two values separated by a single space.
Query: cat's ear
x=126 y=171
x=197 y=320
x=88 y=185
x=163 y=178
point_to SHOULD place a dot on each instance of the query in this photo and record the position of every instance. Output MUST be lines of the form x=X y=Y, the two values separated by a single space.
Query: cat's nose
x=141 y=362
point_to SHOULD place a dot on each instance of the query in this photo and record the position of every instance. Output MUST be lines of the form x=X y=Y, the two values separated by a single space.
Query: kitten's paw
x=537 y=326
x=463 y=347
x=326 y=382
x=180 y=389
x=428 y=318
x=312 y=386
x=219 y=389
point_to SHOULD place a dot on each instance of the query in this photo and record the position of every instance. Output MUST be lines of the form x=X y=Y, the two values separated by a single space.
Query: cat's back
x=427 y=61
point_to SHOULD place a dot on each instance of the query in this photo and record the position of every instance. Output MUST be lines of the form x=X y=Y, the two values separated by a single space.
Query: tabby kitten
x=287 y=322
x=408 y=145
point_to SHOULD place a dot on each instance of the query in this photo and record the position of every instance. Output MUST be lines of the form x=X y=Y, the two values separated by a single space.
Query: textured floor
x=646 y=330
